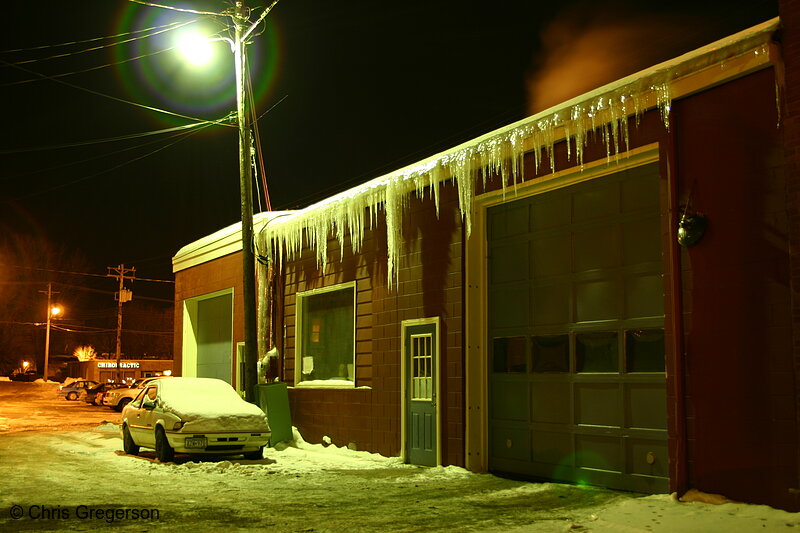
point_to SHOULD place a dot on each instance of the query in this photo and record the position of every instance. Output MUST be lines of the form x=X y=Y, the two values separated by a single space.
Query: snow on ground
x=59 y=469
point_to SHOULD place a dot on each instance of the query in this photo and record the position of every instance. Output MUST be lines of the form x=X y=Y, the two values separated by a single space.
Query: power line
x=183 y=137
x=101 y=47
x=116 y=99
x=107 y=139
x=85 y=160
x=194 y=11
x=79 y=273
x=84 y=41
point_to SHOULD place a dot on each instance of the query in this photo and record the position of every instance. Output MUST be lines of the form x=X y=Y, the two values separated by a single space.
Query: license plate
x=196 y=442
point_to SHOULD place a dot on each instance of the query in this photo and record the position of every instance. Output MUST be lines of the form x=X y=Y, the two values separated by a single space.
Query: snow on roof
x=220 y=243
x=605 y=109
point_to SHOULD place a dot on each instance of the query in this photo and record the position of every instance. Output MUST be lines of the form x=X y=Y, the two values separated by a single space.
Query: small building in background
x=105 y=370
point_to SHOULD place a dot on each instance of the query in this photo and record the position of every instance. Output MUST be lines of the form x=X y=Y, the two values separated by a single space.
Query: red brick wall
x=429 y=284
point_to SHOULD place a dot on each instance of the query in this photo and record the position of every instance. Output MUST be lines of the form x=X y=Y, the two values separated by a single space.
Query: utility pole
x=124 y=295
x=242 y=32
x=47 y=335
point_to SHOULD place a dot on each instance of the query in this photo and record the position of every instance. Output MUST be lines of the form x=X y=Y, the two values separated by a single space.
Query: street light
x=52 y=312
x=239 y=16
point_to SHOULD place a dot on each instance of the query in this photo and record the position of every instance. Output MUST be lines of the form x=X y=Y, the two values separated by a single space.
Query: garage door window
x=551 y=353
x=644 y=349
x=597 y=352
x=327 y=335
x=509 y=354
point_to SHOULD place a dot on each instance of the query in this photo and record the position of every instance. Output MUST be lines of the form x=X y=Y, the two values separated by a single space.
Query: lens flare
x=162 y=77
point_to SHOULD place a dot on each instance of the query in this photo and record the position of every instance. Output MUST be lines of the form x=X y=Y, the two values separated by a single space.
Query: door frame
x=190 y=326
x=404 y=325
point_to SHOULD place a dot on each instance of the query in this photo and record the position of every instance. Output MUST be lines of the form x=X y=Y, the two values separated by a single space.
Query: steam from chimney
x=584 y=48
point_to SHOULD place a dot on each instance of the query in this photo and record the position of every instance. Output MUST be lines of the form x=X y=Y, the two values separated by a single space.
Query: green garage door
x=576 y=329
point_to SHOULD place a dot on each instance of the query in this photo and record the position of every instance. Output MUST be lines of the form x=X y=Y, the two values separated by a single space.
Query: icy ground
x=62 y=468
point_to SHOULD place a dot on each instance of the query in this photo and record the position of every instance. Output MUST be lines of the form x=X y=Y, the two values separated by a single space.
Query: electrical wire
x=183 y=136
x=81 y=71
x=259 y=152
x=78 y=162
x=95 y=48
x=194 y=11
x=84 y=41
x=107 y=139
x=116 y=99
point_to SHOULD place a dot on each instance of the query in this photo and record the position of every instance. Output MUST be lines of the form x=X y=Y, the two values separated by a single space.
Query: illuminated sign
x=114 y=365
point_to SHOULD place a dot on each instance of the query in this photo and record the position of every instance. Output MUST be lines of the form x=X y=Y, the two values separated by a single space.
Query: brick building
x=521 y=303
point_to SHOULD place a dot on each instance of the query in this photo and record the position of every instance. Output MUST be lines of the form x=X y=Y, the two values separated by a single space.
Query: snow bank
x=207 y=404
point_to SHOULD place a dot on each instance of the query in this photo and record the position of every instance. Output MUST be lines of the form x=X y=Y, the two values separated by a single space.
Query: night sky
x=354 y=89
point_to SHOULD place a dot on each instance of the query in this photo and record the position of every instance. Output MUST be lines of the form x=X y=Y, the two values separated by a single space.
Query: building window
x=326 y=347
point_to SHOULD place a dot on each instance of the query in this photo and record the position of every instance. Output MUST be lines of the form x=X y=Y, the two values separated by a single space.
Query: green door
x=576 y=334
x=421 y=377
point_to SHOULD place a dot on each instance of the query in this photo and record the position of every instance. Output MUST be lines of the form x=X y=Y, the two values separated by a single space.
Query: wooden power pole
x=122 y=296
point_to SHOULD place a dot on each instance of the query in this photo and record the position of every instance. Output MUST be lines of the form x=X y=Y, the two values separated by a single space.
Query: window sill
x=325 y=384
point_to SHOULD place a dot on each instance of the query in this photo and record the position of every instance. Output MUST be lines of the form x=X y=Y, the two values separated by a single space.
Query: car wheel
x=72 y=396
x=130 y=447
x=258 y=454
x=122 y=403
x=164 y=452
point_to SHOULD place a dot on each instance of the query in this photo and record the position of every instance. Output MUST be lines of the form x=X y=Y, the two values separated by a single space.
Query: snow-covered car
x=73 y=390
x=195 y=416
x=119 y=398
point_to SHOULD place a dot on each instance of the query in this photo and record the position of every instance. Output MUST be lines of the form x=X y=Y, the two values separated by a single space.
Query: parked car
x=119 y=398
x=30 y=375
x=94 y=395
x=195 y=416
x=73 y=390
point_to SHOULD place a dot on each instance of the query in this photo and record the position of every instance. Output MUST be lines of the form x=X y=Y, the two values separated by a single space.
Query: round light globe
x=195 y=48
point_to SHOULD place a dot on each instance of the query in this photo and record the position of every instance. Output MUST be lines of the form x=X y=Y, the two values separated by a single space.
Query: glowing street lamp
x=196 y=48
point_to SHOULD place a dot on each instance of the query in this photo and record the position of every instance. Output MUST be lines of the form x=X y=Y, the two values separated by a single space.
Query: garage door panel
x=508 y=305
x=644 y=296
x=509 y=263
x=551 y=212
x=597 y=300
x=511 y=442
x=554 y=448
x=648 y=457
x=598 y=452
x=646 y=406
x=550 y=303
x=642 y=192
x=551 y=402
x=551 y=255
x=591 y=202
x=596 y=247
x=598 y=404
x=638 y=244
x=508 y=220
x=509 y=400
